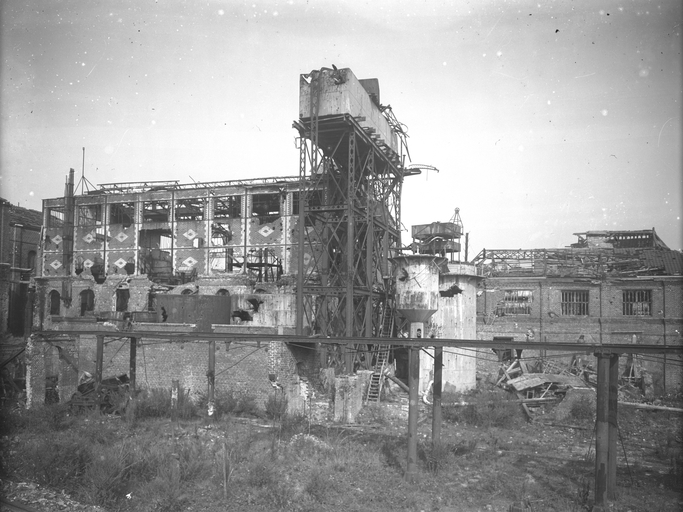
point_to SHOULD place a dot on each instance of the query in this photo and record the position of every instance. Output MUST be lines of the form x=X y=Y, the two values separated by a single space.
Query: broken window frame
x=515 y=302
x=266 y=207
x=56 y=217
x=227 y=207
x=89 y=215
x=222 y=259
x=190 y=209
x=122 y=213
x=574 y=302
x=637 y=302
x=156 y=211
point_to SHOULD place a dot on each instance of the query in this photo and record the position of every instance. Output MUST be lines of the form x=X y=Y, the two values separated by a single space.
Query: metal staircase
x=382 y=358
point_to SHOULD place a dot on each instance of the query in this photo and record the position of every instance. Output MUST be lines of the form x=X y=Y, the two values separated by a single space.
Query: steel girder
x=349 y=227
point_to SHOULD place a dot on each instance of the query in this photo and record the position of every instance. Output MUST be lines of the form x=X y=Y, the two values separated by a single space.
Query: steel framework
x=349 y=223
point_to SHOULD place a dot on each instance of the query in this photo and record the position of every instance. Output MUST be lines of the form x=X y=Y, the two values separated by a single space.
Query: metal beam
x=587 y=348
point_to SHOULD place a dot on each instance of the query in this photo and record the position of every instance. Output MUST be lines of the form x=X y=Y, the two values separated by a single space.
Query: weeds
x=485 y=409
x=156 y=403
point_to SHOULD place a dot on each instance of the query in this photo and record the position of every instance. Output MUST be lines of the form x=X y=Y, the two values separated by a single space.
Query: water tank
x=417 y=285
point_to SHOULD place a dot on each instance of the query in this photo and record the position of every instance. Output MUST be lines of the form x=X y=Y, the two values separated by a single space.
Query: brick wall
x=605 y=323
x=4 y=296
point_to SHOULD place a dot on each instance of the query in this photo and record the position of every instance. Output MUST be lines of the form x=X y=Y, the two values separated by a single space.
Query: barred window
x=637 y=302
x=574 y=303
x=516 y=302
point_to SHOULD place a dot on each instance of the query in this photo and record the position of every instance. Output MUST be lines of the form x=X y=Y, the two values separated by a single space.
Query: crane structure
x=351 y=171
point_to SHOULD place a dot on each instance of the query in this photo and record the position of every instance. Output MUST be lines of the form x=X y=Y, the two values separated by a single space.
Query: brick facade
x=544 y=317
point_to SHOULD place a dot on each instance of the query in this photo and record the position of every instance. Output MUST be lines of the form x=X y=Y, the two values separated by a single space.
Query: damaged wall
x=644 y=310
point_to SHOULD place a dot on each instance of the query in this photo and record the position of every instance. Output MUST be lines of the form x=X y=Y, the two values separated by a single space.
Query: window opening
x=122 y=213
x=190 y=209
x=155 y=254
x=90 y=215
x=574 y=303
x=54 y=302
x=55 y=217
x=122 y=296
x=266 y=207
x=637 y=302
x=515 y=302
x=87 y=301
x=227 y=207
x=223 y=259
x=156 y=211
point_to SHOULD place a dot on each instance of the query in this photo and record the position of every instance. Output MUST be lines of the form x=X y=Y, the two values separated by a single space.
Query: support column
x=211 y=375
x=413 y=402
x=133 y=365
x=99 y=356
x=613 y=427
x=606 y=428
x=436 y=397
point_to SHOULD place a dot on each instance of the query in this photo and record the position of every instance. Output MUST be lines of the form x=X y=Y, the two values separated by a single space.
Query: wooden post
x=413 y=404
x=436 y=397
x=211 y=374
x=613 y=427
x=133 y=365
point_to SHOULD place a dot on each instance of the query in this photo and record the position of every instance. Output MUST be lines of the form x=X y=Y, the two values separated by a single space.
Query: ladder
x=377 y=378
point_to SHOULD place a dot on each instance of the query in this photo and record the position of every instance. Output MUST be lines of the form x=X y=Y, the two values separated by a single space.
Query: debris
x=109 y=395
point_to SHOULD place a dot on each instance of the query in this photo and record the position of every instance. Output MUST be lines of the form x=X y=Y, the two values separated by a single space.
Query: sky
x=543 y=119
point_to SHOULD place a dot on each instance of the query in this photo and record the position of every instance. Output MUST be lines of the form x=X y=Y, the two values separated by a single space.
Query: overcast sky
x=543 y=118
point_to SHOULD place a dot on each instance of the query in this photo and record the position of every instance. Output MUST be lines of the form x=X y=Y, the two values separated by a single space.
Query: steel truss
x=349 y=226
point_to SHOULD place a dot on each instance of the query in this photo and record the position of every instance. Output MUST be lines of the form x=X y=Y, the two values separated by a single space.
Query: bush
x=582 y=409
x=276 y=406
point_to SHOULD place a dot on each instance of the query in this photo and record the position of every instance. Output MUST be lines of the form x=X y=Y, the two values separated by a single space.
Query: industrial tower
x=351 y=171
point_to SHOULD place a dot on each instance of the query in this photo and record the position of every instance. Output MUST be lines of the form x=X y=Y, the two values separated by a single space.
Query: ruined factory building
x=306 y=255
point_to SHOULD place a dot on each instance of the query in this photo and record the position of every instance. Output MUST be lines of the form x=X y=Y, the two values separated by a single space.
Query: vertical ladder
x=377 y=378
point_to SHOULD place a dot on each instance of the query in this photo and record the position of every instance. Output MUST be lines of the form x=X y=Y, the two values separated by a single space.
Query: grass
x=489 y=457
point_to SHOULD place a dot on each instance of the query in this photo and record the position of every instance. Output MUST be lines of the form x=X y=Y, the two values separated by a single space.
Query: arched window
x=222 y=291
x=87 y=301
x=54 y=302
x=186 y=291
